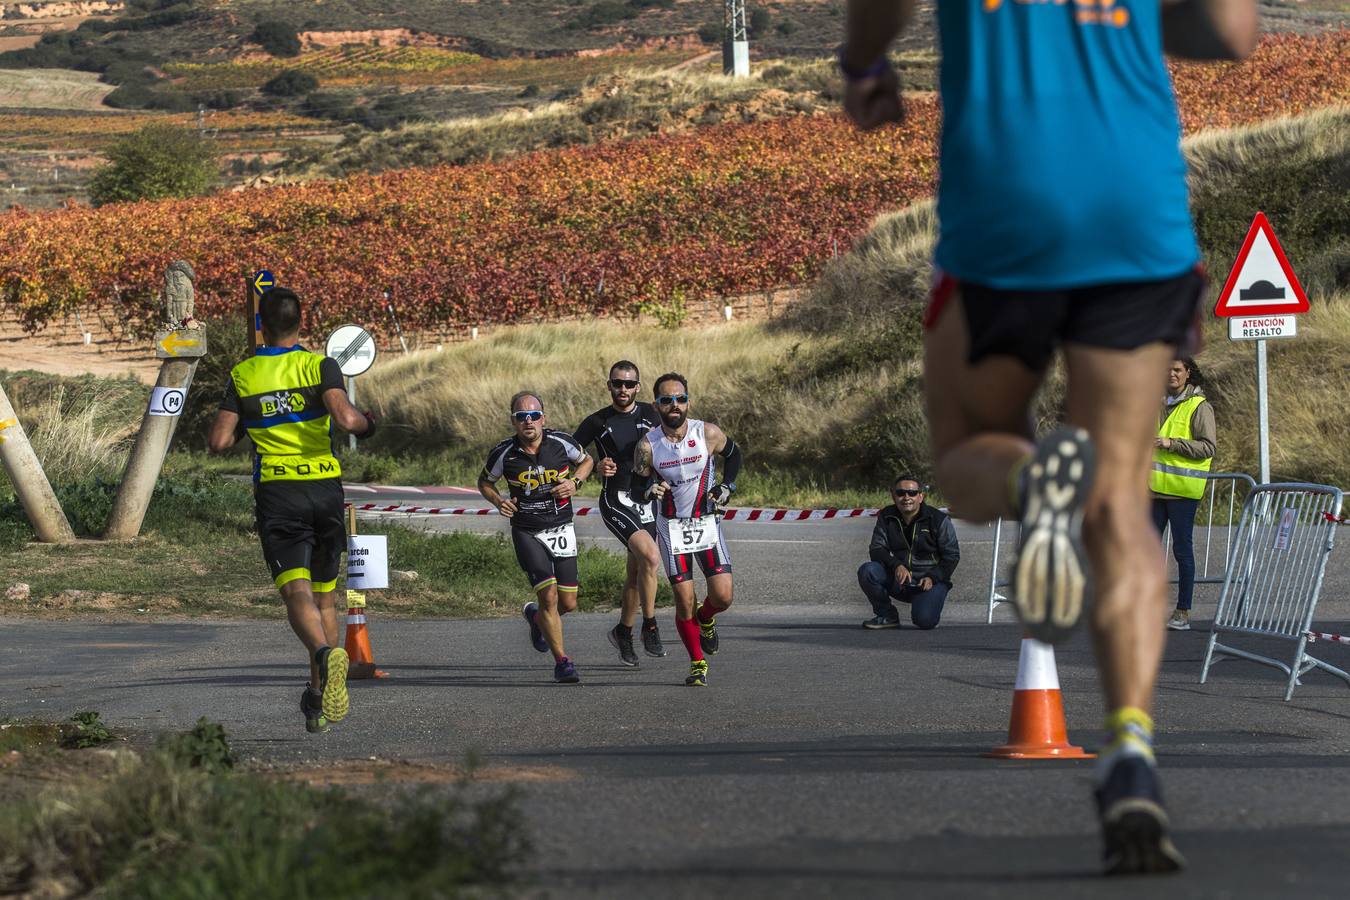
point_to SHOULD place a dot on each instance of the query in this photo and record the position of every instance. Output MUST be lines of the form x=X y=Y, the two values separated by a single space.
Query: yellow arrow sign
x=173 y=343
x=262 y=282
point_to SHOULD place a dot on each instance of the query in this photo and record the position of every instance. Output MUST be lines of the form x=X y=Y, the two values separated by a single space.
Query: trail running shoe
x=333 y=683
x=624 y=644
x=1050 y=578
x=564 y=672
x=536 y=636
x=707 y=636
x=878 y=622
x=698 y=673
x=651 y=641
x=311 y=704
x=1134 y=824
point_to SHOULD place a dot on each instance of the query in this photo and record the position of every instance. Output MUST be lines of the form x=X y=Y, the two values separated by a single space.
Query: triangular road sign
x=1262 y=282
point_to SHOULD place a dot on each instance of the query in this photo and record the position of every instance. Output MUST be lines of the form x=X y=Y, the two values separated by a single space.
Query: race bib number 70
x=560 y=542
x=693 y=535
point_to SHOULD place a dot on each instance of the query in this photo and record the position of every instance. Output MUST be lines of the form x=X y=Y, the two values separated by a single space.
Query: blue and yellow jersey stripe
x=281 y=405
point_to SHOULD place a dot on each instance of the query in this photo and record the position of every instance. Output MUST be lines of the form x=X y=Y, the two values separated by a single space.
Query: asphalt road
x=823 y=760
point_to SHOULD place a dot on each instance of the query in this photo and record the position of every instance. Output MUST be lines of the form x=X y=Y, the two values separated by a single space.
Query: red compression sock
x=688 y=629
x=707 y=611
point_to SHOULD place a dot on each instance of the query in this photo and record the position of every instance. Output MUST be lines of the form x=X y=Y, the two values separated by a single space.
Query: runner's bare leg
x=549 y=619
x=1114 y=395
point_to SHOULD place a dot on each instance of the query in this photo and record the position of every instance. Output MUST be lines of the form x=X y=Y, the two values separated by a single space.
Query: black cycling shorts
x=1030 y=325
x=624 y=519
x=302 y=531
x=541 y=566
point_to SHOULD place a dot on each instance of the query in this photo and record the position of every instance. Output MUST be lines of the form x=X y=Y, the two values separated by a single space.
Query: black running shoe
x=624 y=644
x=311 y=704
x=1134 y=824
x=651 y=641
x=707 y=636
x=530 y=611
x=564 y=672
x=1050 y=578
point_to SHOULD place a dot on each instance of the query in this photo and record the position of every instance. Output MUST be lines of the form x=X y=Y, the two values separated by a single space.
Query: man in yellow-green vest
x=285 y=398
x=1182 y=454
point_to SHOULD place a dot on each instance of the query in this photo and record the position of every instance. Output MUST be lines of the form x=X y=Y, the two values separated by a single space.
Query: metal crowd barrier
x=1221 y=487
x=1275 y=576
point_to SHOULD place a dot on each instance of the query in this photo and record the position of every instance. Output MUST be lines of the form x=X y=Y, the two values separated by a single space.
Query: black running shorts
x=301 y=528
x=623 y=519
x=1030 y=325
x=541 y=566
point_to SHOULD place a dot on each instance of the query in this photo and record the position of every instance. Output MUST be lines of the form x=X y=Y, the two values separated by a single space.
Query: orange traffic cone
x=358 y=640
x=1036 y=730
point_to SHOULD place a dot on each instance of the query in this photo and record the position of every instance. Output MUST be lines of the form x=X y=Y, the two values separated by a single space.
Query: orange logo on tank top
x=1087 y=12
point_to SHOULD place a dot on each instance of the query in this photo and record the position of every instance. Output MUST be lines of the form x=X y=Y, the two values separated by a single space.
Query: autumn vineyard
x=591 y=231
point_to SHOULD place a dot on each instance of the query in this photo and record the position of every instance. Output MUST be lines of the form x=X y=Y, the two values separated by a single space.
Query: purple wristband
x=876 y=69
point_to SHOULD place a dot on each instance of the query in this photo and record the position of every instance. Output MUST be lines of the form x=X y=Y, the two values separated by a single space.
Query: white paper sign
x=1262 y=328
x=367 y=562
x=1287 y=521
x=166 y=401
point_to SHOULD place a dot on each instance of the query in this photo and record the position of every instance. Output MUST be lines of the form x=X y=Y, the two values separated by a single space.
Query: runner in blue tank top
x=1063 y=226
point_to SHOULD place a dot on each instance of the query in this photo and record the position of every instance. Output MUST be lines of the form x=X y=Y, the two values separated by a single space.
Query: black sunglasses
x=527 y=415
x=617 y=383
x=669 y=399
x=904 y=492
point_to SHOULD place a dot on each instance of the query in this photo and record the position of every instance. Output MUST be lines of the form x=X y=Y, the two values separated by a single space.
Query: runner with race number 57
x=543 y=469
x=674 y=467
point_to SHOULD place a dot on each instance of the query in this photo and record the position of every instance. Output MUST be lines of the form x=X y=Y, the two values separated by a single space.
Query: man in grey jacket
x=913 y=555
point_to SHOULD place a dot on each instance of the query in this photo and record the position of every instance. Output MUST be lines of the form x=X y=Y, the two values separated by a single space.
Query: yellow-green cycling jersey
x=278 y=395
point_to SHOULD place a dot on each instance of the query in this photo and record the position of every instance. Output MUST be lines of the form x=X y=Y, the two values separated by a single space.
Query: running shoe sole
x=1051 y=574
x=335 y=700
x=872 y=626
x=614 y=642
x=1134 y=831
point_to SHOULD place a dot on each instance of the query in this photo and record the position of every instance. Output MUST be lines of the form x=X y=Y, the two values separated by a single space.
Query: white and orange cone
x=1036 y=729
x=357 y=644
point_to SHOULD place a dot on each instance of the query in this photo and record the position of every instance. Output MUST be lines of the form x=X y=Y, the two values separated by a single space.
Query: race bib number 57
x=560 y=542
x=693 y=535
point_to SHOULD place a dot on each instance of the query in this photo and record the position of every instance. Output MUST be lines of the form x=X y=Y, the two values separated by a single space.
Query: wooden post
x=30 y=482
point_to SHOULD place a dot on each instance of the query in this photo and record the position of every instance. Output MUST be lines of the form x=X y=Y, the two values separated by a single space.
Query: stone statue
x=179 y=295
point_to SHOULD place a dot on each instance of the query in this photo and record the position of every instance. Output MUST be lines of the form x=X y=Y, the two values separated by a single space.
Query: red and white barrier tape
x=1327 y=636
x=745 y=513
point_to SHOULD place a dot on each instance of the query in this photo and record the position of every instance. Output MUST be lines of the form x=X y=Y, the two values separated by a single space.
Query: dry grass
x=52 y=89
x=72 y=436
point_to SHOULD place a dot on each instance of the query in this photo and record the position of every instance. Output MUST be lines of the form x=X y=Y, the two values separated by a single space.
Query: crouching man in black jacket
x=914 y=553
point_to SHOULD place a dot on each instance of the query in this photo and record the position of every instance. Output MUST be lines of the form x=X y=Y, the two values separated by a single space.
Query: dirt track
x=60 y=350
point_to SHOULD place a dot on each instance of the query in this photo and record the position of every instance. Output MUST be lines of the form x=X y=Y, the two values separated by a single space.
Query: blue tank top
x=1061 y=147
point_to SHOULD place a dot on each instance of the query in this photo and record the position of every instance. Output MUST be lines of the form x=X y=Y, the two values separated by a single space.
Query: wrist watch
x=577 y=480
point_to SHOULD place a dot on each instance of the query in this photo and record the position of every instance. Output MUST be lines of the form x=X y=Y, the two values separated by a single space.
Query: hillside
x=656 y=222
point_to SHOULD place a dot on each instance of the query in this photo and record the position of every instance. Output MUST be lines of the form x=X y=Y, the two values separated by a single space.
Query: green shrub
x=204 y=747
x=277 y=37
x=85 y=729
x=710 y=32
x=759 y=21
x=606 y=12
x=157 y=162
x=291 y=83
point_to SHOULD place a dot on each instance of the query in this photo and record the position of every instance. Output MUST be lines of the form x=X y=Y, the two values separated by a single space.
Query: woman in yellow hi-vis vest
x=1182 y=455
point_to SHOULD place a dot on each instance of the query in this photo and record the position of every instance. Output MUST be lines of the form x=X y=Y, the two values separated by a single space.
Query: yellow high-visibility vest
x=281 y=405
x=1173 y=474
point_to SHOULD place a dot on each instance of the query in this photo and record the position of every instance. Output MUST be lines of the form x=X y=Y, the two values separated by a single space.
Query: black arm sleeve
x=731 y=462
x=229 y=401
x=330 y=375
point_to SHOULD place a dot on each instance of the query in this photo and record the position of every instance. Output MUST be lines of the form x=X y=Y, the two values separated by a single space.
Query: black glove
x=719 y=496
x=370 y=426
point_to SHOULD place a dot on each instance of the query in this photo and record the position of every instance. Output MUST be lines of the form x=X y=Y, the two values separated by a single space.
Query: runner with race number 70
x=674 y=466
x=543 y=469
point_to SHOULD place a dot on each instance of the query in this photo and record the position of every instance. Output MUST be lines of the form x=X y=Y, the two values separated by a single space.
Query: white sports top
x=686 y=466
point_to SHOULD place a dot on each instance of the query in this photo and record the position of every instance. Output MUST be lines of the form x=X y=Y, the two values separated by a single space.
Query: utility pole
x=735 y=44
x=30 y=482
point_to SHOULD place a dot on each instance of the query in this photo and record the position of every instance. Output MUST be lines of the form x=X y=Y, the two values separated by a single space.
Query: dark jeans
x=1180 y=514
x=925 y=607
